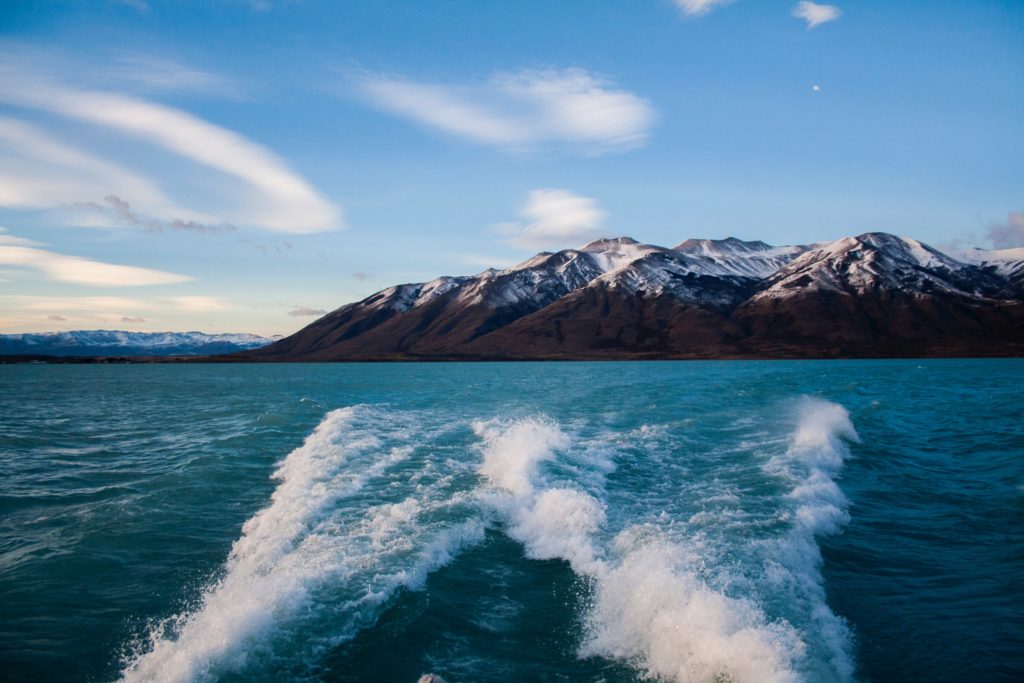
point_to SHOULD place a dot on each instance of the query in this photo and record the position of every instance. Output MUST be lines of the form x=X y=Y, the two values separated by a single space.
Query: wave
x=359 y=513
x=652 y=604
x=811 y=465
x=303 y=541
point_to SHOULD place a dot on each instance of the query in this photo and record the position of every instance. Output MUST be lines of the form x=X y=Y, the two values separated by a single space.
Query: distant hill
x=124 y=343
x=874 y=295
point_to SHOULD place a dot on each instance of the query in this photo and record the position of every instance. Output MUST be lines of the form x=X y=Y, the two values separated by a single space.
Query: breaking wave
x=365 y=507
x=305 y=541
x=653 y=603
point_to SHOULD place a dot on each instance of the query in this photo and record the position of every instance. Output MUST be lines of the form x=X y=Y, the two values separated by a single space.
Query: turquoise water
x=721 y=521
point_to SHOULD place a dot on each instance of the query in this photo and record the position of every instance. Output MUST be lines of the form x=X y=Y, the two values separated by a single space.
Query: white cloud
x=302 y=311
x=1009 y=234
x=84 y=271
x=155 y=73
x=40 y=171
x=74 y=303
x=7 y=238
x=814 y=14
x=198 y=304
x=276 y=197
x=697 y=8
x=570 y=109
x=555 y=218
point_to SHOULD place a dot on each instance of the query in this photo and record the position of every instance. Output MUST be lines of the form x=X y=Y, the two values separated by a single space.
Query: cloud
x=140 y=6
x=40 y=171
x=7 y=238
x=56 y=318
x=132 y=319
x=78 y=303
x=486 y=260
x=1009 y=234
x=159 y=74
x=361 y=276
x=121 y=212
x=555 y=218
x=300 y=311
x=198 y=304
x=814 y=14
x=568 y=109
x=276 y=197
x=698 y=8
x=82 y=271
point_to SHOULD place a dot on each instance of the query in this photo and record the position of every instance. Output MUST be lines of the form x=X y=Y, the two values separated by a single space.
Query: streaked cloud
x=271 y=195
x=121 y=212
x=82 y=271
x=14 y=240
x=56 y=318
x=132 y=319
x=814 y=14
x=486 y=260
x=1009 y=234
x=697 y=8
x=362 y=276
x=161 y=74
x=198 y=304
x=554 y=218
x=302 y=311
x=64 y=305
x=566 y=109
x=41 y=172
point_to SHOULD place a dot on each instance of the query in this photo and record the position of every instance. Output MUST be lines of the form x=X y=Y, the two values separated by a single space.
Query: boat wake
x=374 y=501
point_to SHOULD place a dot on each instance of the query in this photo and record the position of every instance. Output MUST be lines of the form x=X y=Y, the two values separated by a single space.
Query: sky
x=246 y=165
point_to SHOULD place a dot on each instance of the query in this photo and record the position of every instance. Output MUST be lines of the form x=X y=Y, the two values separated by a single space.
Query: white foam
x=650 y=607
x=514 y=451
x=653 y=609
x=301 y=542
x=811 y=465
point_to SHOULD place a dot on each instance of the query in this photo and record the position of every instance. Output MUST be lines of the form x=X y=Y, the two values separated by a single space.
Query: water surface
x=746 y=521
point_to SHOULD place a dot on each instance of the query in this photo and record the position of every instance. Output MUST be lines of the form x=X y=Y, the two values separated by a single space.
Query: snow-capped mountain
x=871 y=295
x=127 y=343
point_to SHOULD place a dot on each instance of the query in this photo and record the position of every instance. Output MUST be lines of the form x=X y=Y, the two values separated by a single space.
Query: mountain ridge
x=872 y=295
x=73 y=343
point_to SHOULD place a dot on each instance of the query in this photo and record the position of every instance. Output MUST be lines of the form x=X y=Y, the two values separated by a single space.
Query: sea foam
x=303 y=541
x=651 y=604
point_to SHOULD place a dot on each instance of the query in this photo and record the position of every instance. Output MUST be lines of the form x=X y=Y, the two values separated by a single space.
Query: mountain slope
x=126 y=343
x=866 y=296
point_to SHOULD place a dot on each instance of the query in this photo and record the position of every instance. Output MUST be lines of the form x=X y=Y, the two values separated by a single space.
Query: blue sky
x=238 y=166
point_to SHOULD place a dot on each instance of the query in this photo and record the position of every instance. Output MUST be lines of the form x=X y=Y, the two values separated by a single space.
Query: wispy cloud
x=140 y=6
x=569 y=109
x=82 y=271
x=132 y=319
x=302 y=311
x=198 y=304
x=362 y=276
x=7 y=238
x=1009 y=234
x=554 y=218
x=814 y=14
x=56 y=318
x=121 y=212
x=41 y=171
x=104 y=304
x=697 y=8
x=155 y=73
x=486 y=260
x=275 y=197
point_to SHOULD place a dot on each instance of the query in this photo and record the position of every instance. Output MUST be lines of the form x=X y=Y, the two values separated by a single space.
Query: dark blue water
x=727 y=521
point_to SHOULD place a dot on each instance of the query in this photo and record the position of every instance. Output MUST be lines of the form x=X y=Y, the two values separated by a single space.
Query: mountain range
x=874 y=295
x=126 y=343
